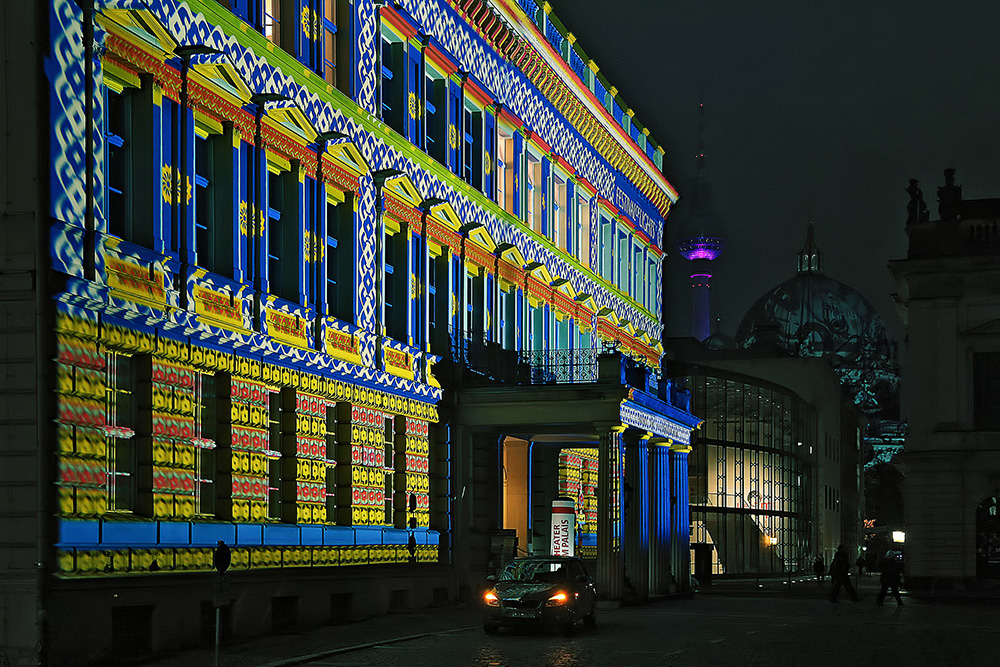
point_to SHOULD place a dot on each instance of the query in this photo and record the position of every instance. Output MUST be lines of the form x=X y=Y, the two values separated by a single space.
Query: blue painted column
x=659 y=517
x=680 y=560
x=635 y=545
x=610 y=569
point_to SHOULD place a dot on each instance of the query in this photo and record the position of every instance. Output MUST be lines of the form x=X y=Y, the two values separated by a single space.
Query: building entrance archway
x=988 y=539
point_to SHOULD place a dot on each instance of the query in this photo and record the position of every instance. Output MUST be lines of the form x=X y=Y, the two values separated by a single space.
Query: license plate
x=520 y=613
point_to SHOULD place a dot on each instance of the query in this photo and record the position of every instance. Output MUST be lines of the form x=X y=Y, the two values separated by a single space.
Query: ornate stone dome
x=814 y=315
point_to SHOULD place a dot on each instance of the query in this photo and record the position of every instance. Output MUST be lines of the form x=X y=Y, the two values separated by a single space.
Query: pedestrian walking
x=840 y=575
x=861 y=565
x=891 y=572
x=819 y=567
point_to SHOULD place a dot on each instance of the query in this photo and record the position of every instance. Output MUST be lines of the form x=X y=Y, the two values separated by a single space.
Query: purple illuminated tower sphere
x=701 y=251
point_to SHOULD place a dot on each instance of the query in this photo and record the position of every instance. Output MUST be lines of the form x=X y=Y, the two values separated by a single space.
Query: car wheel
x=590 y=620
x=491 y=628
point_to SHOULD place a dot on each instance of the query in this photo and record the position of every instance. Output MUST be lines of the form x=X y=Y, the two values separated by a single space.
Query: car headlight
x=491 y=599
x=556 y=600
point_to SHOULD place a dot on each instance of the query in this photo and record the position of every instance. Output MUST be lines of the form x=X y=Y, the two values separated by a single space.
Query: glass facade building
x=751 y=476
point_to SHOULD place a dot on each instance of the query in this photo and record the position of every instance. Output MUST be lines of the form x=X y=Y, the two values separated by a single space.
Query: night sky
x=828 y=107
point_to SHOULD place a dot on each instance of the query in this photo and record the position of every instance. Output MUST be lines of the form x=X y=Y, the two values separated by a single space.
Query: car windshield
x=540 y=571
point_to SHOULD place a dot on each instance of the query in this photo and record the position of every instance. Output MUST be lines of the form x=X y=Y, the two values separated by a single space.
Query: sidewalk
x=287 y=649
x=801 y=586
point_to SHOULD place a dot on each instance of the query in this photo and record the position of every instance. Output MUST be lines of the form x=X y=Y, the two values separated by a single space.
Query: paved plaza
x=742 y=623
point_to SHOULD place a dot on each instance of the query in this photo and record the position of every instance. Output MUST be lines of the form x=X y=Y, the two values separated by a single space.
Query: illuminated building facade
x=310 y=278
x=948 y=298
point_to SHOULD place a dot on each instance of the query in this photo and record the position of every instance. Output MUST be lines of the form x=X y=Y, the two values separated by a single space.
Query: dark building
x=949 y=299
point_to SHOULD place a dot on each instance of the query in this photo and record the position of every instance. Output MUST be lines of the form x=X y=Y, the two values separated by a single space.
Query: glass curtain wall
x=750 y=476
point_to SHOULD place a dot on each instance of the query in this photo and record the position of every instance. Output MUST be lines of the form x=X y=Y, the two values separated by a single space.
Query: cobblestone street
x=752 y=626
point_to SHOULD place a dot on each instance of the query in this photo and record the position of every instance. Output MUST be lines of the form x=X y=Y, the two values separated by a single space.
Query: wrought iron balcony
x=491 y=361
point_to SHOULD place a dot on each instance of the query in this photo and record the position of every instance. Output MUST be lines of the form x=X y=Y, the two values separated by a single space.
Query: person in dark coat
x=860 y=562
x=819 y=567
x=840 y=575
x=892 y=572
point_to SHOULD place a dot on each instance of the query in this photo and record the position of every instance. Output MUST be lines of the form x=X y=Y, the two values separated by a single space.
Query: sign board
x=563 y=527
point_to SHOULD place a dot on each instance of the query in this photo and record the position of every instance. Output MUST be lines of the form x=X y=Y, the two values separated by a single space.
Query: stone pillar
x=659 y=517
x=680 y=516
x=610 y=571
x=635 y=545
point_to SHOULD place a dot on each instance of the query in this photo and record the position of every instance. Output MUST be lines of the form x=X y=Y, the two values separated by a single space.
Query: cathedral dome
x=813 y=315
x=817 y=316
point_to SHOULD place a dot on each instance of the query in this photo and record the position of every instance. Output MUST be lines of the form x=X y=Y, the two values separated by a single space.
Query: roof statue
x=949 y=197
x=916 y=209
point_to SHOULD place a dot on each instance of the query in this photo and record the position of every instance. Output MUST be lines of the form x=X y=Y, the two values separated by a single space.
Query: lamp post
x=379 y=178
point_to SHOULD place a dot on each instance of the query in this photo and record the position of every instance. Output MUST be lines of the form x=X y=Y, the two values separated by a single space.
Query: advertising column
x=563 y=534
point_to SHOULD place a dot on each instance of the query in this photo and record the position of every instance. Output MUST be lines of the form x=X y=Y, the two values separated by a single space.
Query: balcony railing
x=492 y=361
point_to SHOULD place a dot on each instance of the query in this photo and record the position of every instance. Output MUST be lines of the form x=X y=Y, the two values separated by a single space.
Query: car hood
x=513 y=590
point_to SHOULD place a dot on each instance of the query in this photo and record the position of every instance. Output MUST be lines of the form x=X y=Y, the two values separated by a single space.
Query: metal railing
x=490 y=360
x=561 y=366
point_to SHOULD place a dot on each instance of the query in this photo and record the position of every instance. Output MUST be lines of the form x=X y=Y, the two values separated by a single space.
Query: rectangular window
x=583 y=229
x=559 y=229
x=623 y=275
x=389 y=445
x=275 y=238
x=205 y=424
x=472 y=146
x=274 y=465
x=607 y=241
x=508 y=321
x=393 y=88
x=533 y=191
x=986 y=391
x=505 y=170
x=340 y=260
x=396 y=287
x=437 y=292
x=118 y=161
x=476 y=306
x=654 y=285
x=282 y=236
x=120 y=385
x=278 y=23
x=337 y=44
x=537 y=327
x=213 y=243
x=636 y=272
x=435 y=114
x=331 y=471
